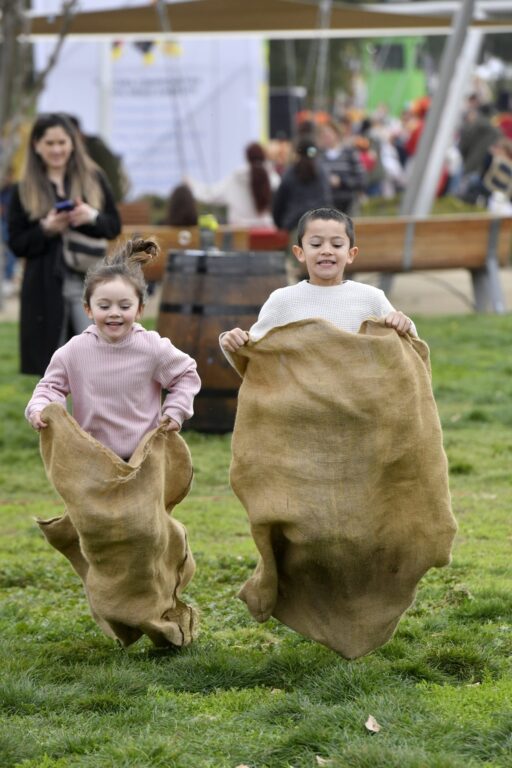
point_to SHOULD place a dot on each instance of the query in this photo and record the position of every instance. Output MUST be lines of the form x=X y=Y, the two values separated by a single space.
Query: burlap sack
x=131 y=555
x=338 y=460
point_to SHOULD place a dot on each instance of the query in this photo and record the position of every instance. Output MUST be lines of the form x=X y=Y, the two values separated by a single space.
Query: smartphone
x=64 y=205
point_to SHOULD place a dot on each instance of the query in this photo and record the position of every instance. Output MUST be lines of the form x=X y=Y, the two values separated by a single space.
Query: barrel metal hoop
x=217 y=393
x=210 y=310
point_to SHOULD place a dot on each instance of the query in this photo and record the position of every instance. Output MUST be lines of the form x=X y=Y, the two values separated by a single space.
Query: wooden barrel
x=203 y=294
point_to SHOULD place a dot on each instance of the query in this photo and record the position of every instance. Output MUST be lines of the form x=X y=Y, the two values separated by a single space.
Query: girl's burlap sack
x=338 y=460
x=118 y=533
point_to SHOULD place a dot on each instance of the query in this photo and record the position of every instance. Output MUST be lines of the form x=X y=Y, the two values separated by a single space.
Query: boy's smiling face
x=325 y=251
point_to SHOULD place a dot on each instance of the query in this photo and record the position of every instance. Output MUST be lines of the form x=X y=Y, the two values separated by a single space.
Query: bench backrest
x=438 y=242
x=386 y=244
x=137 y=212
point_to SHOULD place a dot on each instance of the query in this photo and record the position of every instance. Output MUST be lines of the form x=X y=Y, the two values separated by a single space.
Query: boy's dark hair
x=326 y=214
x=125 y=262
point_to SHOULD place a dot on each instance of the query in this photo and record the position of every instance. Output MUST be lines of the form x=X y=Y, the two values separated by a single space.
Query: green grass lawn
x=261 y=695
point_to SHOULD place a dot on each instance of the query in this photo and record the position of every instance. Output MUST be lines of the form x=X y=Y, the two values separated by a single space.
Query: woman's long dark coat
x=41 y=311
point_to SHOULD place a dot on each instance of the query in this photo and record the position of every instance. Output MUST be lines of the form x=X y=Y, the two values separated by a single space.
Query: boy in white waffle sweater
x=325 y=245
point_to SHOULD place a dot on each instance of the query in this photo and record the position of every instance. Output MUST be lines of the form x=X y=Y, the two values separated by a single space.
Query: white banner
x=169 y=108
x=186 y=109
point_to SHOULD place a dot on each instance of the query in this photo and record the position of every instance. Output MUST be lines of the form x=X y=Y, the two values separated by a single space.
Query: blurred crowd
x=347 y=161
x=343 y=162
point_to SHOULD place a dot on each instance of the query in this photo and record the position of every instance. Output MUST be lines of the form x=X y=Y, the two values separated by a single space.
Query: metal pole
x=105 y=90
x=420 y=191
x=291 y=82
x=323 y=55
x=449 y=119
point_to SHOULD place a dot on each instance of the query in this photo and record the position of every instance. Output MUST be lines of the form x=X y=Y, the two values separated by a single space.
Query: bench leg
x=386 y=282
x=486 y=281
x=487 y=289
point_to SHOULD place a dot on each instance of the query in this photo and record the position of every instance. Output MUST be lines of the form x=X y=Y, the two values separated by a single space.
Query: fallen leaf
x=372 y=725
x=323 y=760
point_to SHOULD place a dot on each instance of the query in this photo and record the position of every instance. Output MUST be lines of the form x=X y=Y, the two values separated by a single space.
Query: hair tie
x=311 y=152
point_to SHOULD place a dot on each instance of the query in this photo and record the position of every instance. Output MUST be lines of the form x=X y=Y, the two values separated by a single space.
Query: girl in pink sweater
x=115 y=370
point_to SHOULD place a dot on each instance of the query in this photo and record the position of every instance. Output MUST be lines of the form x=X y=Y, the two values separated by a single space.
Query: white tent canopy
x=465 y=20
x=270 y=18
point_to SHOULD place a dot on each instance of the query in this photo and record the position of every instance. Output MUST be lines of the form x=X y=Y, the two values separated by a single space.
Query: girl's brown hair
x=182 y=208
x=305 y=165
x=260 y=181
x=125 y=262
x=82 y=173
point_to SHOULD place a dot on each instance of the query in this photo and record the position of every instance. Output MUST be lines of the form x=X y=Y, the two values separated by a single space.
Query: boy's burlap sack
x=338 y=460
x=131 y=555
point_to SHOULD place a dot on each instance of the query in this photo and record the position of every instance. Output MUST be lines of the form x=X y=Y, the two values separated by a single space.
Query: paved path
x=444 y=292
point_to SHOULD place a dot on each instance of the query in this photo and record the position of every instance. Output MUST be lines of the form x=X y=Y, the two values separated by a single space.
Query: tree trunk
x=18 y=92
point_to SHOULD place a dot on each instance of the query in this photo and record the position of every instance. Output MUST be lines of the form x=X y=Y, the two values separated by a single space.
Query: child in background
x=182 y=208
x=325 y=246
x=115 y=370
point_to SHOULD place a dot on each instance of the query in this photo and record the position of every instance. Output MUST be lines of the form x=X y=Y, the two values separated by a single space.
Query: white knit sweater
x=346 y=305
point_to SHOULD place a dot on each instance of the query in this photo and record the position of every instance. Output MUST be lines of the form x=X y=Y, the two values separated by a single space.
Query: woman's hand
x=55 y=222
x=82 y=213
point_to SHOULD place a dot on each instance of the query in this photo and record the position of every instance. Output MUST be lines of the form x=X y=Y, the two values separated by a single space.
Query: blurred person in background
x=279 y=152
x=341 y=160
x=181 y=208
x=110 y=163
x=477 y=135
x=393 y=181
x=493 y=189
x=369 y=147
x=9 y=278
x=57 y=170
x=246 y=193
x=416 y=126
x=304 y=186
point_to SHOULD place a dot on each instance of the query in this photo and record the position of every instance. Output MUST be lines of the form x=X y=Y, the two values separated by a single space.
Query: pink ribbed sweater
x=116 y=389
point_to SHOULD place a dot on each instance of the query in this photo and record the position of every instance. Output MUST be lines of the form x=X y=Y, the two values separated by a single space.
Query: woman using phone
x=61 y=190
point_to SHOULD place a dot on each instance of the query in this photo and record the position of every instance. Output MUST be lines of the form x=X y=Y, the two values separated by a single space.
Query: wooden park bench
x=479 y=243
x=389 y=245
x=136 y=212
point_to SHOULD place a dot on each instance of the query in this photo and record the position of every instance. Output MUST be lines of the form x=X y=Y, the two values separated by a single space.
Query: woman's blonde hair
x=126 y=262
x=82 y=174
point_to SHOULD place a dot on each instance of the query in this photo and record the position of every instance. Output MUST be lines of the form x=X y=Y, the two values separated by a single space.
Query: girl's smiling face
x=114 y=306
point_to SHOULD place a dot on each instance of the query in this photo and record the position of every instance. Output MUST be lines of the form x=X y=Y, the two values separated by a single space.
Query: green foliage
x=261 y=695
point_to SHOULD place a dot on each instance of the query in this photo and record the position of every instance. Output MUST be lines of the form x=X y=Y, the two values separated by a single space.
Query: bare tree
x=19 y=87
